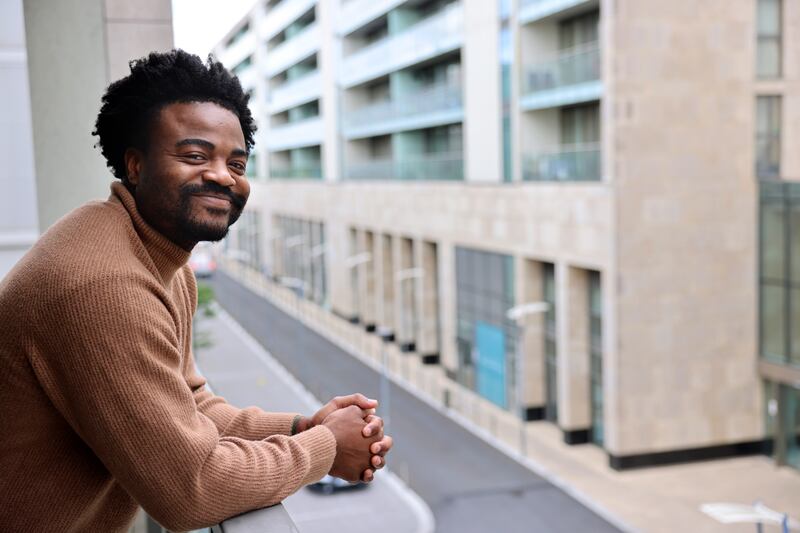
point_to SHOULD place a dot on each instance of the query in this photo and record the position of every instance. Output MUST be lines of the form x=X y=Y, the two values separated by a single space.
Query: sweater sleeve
x=251 y=423
x=113 y=369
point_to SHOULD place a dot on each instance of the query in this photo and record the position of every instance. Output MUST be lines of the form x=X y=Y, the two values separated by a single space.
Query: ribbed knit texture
x=100 y=404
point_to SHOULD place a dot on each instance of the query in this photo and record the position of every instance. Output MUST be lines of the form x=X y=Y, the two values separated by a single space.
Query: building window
x=302 y=250
x=486 y=338
x=550 y=343
x=768 y=34
x=779 y=272
x=768 y=136
x=596 y=358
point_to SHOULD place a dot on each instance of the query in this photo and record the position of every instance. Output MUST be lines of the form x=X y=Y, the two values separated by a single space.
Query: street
x=469 y=485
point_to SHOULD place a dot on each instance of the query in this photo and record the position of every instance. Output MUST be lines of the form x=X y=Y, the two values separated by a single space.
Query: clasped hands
x=360 y=442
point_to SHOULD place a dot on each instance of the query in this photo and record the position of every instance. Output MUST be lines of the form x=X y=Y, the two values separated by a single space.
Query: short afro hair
x=155 y=81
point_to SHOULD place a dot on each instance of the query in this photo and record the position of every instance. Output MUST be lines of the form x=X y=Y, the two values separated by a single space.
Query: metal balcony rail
x=576 y=65
x=578 y=162
x=431 y=167
x=432 y=98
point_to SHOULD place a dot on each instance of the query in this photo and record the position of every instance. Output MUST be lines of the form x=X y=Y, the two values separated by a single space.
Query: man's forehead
x=193 y=118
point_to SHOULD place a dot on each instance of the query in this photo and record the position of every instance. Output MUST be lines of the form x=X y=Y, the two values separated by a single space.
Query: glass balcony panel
x=430 y=167
x=295 y=93
x=306 y=132
x=239 y=50
x=282 y=15
x=568 y=163
x=247 y=77
x=532 y=10
x=438 y=34
x=577 y=65
x=358 y=13
x=393 y=114
x=294 y=50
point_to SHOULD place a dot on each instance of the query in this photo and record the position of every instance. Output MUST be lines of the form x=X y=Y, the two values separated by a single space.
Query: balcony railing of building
x=274 y=519
x=427 y=167
x=579 y=162
x=570 y=67
x=438 y=34
x=296 y=92
x=358 y=13
x=294 y=50
x=297 y=172
x=532 y=10
x=239 y=50
x=283 y=14
x=306 y=132
x=424 y=108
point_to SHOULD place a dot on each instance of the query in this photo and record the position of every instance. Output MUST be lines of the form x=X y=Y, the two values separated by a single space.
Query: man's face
x=190 y=182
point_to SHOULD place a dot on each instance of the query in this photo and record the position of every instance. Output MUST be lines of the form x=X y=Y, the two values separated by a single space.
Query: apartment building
x=424 y=167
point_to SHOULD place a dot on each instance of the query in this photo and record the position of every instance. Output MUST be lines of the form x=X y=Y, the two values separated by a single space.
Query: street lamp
x=518 y=314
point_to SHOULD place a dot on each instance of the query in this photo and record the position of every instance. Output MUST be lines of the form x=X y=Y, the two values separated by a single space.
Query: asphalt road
x=469 y=485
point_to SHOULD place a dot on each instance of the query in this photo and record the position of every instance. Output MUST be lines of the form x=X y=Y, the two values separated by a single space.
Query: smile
x=215 y=202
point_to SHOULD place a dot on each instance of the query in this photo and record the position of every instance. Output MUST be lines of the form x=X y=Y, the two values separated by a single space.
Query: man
x=101 y=408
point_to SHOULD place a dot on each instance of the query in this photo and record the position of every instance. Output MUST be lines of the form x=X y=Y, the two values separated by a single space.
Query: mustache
x=237 y=200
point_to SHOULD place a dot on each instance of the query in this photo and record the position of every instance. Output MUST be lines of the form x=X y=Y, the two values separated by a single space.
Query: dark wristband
x=295 y=423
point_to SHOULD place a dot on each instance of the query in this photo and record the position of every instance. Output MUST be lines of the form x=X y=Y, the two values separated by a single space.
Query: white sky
x=200 y=24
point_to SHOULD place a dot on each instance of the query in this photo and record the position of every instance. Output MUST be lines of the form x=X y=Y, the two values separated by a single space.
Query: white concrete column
x=329 y=55
x=75 y=49
x=479 y=56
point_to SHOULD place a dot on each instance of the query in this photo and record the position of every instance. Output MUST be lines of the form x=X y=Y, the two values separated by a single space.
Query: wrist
x=300 y=424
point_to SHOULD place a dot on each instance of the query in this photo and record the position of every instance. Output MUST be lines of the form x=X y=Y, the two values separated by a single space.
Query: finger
x=378 y=462
x=374 y=426
x=382 y=446
x=368 y=475
x=355 y=399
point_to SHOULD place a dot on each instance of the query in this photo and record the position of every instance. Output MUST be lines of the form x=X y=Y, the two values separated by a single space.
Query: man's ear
x=134 y=159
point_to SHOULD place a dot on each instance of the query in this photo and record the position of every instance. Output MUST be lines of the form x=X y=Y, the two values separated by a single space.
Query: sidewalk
x=241 y=371
x=660 y=499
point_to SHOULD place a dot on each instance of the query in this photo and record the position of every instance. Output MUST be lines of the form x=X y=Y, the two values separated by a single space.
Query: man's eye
x=194 y=157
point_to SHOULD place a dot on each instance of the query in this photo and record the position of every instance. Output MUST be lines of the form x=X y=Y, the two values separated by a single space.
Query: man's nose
x=219 y=173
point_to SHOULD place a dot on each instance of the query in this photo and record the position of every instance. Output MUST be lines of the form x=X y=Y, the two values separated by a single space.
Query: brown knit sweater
x=100 y=404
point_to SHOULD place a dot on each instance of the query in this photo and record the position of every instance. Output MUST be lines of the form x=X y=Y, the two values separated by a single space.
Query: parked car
x=202 y=263
x=330 y=484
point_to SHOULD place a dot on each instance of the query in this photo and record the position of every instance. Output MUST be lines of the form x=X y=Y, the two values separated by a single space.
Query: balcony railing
x=432 y=106
x=304 y=172
x=274 y=519
x=306 y=132
x=438 y=34
x=358 y=13
x=580 y=162
x=283 y=14
x=430 y=167
x=294 y=50
x=577 y=65
x=296 y=92
x=532 y=10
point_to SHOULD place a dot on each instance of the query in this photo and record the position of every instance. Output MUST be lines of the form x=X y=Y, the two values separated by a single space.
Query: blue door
x=490 y=344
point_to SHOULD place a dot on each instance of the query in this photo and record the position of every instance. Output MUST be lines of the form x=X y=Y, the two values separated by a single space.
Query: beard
x=194 y=226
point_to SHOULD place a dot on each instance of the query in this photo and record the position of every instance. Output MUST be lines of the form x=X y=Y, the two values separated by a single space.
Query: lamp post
x=401 y=277
x=351 y=263
x=518 y=314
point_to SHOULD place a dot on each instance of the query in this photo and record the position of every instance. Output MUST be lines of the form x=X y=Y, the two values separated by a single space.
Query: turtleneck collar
x=167 y=256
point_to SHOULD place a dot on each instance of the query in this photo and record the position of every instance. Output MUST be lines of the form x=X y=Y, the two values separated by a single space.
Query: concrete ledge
x=274 y=519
